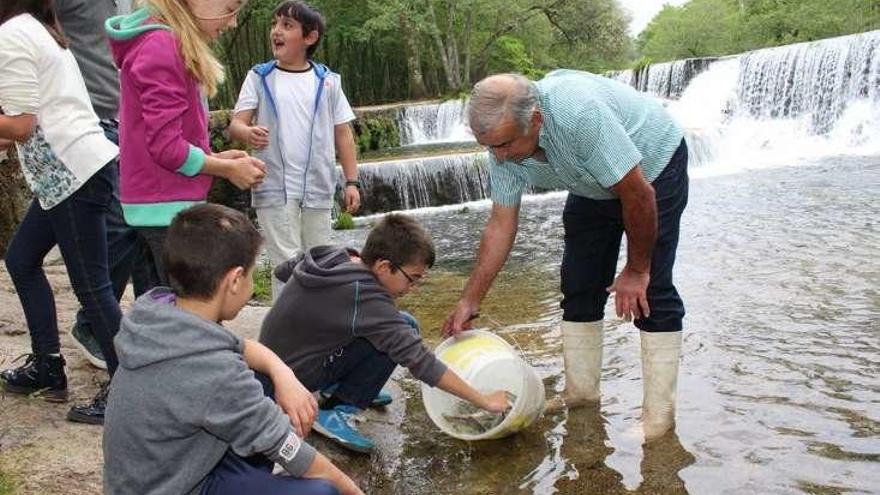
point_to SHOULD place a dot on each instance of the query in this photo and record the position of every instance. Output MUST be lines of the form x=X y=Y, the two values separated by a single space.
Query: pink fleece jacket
x=163 y=133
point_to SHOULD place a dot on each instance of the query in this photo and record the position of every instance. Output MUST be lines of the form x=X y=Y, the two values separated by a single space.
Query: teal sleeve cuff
x=195 y=160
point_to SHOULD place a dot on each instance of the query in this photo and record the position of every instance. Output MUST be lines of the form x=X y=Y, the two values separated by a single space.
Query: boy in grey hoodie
x=336 y=325
x=186 y=414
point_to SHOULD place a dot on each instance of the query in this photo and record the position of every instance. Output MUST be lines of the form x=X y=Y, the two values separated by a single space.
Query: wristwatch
x=356 y=183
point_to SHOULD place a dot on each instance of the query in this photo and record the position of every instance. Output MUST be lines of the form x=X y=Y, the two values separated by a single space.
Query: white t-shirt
x=294 y=94
x=39 y=77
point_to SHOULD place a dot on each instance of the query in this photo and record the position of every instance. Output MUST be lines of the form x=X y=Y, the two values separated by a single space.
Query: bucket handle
x=522 y=352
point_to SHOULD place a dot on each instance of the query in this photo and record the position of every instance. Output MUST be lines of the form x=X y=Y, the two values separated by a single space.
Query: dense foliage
x=391 y=50
x=721 y=27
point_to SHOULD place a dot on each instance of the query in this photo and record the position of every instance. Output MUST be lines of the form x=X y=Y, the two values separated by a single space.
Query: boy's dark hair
x=307 y=16
x=399 y=239
x=203 y=243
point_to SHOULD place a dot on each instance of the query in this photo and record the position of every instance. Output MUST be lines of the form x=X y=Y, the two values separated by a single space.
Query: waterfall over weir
x=782 y=105
x=426 y=123
x=771 y=107
x=818 y=79
x=421 y=182
x=667 y=79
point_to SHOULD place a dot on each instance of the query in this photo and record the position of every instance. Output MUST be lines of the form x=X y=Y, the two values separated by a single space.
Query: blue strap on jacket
x=263 y=70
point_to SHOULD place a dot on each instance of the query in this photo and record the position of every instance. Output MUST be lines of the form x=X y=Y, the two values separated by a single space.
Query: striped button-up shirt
x=595 y=130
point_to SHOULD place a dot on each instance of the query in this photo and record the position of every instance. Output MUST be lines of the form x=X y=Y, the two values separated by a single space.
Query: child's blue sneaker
x=382 y=399
x=337 y=425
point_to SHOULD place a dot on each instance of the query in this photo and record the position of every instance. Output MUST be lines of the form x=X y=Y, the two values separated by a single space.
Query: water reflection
x=778 y=390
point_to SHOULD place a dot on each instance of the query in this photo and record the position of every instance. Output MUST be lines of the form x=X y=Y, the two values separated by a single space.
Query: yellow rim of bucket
x=463 y=352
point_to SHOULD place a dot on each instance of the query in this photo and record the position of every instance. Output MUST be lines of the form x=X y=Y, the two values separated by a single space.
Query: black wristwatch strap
x=356 y=183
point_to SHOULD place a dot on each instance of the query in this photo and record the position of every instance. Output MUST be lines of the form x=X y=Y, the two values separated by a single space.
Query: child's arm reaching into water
x=452 y=383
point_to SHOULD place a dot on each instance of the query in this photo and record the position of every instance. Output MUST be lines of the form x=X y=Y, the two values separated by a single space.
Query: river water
x=779 y=389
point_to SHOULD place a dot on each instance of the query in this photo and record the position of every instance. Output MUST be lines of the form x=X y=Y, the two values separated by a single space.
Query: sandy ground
x=41 y=452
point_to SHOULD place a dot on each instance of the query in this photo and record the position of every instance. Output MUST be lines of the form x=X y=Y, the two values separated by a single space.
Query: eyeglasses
x=413 y=280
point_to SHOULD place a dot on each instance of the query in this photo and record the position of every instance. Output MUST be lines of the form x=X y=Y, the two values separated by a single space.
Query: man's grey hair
x=502 y=96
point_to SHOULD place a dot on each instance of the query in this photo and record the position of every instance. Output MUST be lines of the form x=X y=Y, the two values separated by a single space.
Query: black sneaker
x=92 y=413
x=41 y=376
x=85 y=341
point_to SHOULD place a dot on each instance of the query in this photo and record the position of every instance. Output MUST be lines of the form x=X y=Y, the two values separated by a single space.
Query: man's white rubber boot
x=582 y=354
x=661 y=352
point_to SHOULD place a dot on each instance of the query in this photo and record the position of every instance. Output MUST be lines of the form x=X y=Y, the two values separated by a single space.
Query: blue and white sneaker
x=337 y=424
x=382 y=399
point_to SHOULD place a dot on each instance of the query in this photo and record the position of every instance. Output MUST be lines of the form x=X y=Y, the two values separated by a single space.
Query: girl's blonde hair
x=194 y=45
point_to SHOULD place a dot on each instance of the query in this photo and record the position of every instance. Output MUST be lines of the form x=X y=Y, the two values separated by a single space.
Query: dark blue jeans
x=593 y=231
x=235 y=475
x=127 y=255
x=77 y=226
x=359 y=369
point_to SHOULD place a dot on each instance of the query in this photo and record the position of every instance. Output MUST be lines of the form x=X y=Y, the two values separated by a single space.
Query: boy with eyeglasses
x=336 y=325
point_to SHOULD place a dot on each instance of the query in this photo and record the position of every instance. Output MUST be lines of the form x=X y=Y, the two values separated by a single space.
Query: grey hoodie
x=327 y=302
x=182 y=396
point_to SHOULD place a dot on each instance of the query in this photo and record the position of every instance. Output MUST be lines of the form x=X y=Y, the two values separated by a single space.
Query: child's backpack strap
x=263 y=70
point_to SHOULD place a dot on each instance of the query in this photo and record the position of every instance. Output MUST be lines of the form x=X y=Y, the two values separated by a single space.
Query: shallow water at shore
x=778 y=390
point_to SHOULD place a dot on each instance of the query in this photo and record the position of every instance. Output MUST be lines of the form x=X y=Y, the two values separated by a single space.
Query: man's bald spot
x=499 y=97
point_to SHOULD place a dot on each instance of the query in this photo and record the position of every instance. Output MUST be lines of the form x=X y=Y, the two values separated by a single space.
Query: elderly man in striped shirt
x=624 y=162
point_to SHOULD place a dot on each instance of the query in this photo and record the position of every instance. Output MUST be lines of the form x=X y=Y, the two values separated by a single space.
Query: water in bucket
x=488 y=363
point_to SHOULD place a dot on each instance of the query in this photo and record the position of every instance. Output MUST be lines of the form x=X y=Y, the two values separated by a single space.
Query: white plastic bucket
x=488 y=363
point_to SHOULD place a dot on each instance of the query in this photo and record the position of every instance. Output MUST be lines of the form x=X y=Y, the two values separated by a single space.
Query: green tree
x=720 y=27
x=696 y=29
x=389 y=50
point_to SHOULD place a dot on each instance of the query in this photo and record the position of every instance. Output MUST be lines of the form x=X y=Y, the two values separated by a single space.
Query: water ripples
x=779 y=387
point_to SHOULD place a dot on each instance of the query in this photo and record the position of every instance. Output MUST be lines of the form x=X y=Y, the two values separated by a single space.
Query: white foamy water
x=782 y=106
x=429 y=123
x=778 y=386
x=768 y=108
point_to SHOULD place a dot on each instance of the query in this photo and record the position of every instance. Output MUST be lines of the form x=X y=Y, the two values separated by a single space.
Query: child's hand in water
x=258 y=137
x=497 y=402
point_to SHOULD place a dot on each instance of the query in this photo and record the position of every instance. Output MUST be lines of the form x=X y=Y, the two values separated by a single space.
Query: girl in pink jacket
x=167 y=70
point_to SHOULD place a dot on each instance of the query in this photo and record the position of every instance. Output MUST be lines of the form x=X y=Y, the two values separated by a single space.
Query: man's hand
x=5 y=144
x=296 y=401
x=352 y=199
x=258 y=137
x=639 y=206
x=460 y=318
x=630 y=290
